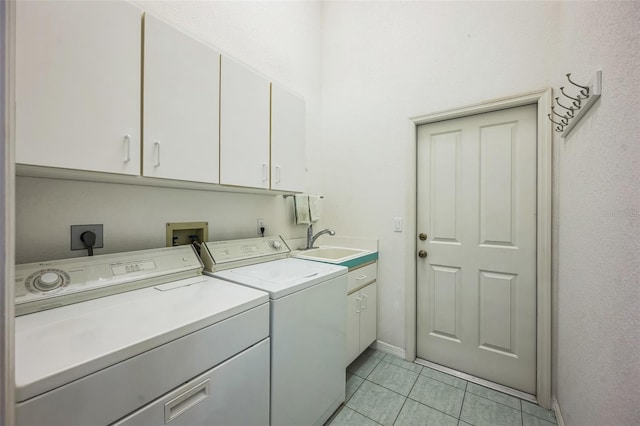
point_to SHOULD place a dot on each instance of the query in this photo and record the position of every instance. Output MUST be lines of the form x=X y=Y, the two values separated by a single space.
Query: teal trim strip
x=353 y=263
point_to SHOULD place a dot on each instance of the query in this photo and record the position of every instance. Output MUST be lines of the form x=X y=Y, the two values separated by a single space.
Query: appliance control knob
x=48 y=281
x=276 y=244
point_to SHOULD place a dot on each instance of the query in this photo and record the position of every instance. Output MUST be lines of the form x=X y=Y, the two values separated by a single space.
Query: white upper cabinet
x=287 y=140
x=181 y=105
x=244 y=126
x=78 y=85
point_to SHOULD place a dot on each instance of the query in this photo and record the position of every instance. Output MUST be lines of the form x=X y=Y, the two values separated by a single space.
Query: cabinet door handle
x=364 y=301
x=127 y=148
x=157 y=145
x=265 y=172
x=186 y=401
x=361 y=277
x=277 y=174
x=358 y=305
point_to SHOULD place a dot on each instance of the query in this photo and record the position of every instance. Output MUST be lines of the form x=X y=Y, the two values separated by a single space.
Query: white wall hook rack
x=575 y=105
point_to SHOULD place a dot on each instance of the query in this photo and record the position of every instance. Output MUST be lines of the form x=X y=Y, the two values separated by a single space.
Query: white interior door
x=476 y=285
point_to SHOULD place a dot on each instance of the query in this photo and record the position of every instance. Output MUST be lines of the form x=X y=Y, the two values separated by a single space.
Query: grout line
x=448 y=384
x=433 y=408
x=489 y=399
x=464 y=395
x=541 y=418
x=402 y=366
x=384 y=387
x=400 y=411
x=356 y=390
x=363 y=415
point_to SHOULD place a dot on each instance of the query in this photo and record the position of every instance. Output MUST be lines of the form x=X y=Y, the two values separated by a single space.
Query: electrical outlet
x=76 y=232
x=260 y=225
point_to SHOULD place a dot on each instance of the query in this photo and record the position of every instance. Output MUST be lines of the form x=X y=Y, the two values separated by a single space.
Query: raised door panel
x=78 y=85
x=181 y=105
x=287 y=140
x=353 y=326
x=498 y=146
x=368 y=314
x=445 y=302
x=444 y=157
x=244 y=126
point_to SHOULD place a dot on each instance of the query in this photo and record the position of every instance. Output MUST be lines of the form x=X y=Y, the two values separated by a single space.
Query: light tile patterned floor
x=385 y=390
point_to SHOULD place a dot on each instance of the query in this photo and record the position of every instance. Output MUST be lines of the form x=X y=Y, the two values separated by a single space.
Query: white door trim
x=543 y=99
x=7 y=203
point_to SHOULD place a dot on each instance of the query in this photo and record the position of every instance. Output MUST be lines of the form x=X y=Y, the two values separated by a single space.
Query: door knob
x=422 y=236
x=422 y=253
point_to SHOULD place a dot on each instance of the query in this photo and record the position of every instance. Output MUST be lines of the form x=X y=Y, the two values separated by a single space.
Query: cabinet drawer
x=361 y=277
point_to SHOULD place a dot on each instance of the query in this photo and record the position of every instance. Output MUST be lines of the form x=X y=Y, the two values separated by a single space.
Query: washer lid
x=282 y=277
x=60 y=345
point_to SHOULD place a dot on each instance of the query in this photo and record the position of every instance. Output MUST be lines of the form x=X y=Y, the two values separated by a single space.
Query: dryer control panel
x=46 y=285
x=217 y=255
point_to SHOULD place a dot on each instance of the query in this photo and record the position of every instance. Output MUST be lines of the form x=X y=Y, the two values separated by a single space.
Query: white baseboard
x=389 y=349
x=556 y=409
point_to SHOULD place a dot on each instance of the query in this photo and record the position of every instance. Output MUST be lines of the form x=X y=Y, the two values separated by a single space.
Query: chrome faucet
x=312 y=238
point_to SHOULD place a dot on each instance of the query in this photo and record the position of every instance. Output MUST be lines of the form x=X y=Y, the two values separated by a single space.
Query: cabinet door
x=78 y=85
x=287 y=140
x=181 y=105
x=244 y=126
x=353 y=326
x=368 y=314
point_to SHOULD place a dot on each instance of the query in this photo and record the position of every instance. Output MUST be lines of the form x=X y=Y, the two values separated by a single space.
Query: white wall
x=384 y=62
x=279 y=39
x=598 y=215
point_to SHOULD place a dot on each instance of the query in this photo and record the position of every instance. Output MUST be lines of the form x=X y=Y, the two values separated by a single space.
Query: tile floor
x=385 y=390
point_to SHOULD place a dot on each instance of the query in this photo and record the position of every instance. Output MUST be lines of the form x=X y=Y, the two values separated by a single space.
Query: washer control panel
x=218 y=255
x=46 y=285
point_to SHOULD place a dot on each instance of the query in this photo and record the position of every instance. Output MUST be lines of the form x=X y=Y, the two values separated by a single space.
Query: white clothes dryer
x=138 y=338
x=308 y=323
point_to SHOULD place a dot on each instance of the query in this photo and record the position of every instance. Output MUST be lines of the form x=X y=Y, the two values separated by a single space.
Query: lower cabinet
x=361 y=312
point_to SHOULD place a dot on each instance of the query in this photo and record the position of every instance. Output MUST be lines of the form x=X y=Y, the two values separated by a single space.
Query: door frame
x=543 y=99
x=7 y=205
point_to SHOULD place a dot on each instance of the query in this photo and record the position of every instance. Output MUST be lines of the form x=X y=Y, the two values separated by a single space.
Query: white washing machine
x=138 y=338
x=308 y=323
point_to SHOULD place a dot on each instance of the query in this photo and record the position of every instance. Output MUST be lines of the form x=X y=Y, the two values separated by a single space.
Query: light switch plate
x=397 y=224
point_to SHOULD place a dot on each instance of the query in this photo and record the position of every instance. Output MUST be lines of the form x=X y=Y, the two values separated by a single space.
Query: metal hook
x=577 y=102
x=584 y=92
x=565 y=119
x=571 y=110
x=560 y=125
